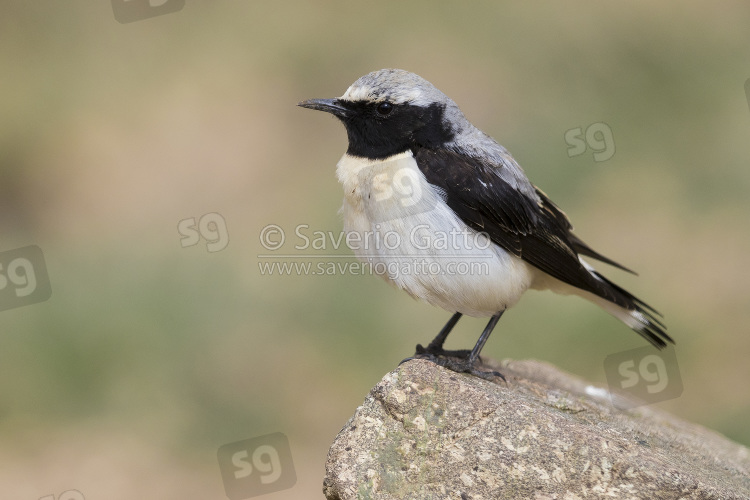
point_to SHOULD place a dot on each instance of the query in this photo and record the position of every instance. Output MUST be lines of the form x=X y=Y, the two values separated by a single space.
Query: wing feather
x=535 y=230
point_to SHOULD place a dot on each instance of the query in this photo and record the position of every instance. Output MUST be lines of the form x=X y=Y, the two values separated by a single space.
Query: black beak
x=332 y=106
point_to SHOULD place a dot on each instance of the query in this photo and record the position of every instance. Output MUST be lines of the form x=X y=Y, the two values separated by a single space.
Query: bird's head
x=391 y=111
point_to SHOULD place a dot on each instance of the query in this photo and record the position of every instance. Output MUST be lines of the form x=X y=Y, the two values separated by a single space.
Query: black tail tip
x=654 y=331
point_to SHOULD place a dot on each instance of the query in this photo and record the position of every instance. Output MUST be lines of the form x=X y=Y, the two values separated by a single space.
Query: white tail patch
x=632 y=318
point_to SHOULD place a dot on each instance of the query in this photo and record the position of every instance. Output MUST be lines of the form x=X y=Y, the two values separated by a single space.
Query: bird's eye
x=385 y=108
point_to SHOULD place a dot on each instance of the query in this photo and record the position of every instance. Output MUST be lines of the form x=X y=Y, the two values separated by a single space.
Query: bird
x=427 y=194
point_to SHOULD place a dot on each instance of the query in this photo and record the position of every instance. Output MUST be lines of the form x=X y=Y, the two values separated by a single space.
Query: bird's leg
x=436 y=346
x=467 y=365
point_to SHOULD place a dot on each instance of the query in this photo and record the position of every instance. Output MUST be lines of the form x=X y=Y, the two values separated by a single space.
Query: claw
x=406 y=359
x=458 y=365
x=439 y=351
x=461 y=361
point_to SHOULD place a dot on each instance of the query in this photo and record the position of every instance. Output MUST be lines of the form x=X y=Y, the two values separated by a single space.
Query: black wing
x=538 y=233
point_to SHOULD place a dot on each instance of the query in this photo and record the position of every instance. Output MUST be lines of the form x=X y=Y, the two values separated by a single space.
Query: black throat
x=407 y=127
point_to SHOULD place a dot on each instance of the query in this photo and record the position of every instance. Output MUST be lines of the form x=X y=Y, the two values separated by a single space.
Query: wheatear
x=417 y=171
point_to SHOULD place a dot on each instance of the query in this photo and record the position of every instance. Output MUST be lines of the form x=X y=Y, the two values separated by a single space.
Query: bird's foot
x=457 y=361
x=439 y=351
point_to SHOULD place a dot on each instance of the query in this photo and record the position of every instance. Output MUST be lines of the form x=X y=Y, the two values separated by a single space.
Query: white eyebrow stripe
x=362 y=93
x=355 y=93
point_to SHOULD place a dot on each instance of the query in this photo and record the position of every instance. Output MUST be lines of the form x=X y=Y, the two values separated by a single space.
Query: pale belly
x=410 y=237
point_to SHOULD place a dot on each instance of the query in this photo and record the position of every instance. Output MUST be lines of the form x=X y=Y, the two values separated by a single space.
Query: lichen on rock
x=425 y=432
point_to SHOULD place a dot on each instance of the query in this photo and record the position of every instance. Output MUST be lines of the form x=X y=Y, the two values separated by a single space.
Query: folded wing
x=537 y=231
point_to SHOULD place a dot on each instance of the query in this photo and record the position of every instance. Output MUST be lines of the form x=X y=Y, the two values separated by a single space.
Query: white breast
x=410 y=237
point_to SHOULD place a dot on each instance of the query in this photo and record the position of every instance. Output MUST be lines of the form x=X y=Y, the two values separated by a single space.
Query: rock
x=425 y=432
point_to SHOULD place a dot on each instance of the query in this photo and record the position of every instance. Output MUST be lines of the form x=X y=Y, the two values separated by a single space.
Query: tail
x=632 y=311
x=588 y=283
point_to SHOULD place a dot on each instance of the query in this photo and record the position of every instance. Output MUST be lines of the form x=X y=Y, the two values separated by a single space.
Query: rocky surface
x=425 y=432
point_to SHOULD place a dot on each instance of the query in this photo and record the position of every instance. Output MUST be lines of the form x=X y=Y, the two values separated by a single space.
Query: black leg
x=467 y=364
x=439 y=340
x=483 y=338
x=436 y=346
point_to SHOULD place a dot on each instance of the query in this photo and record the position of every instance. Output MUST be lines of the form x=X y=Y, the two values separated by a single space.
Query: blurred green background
x=149 y=356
